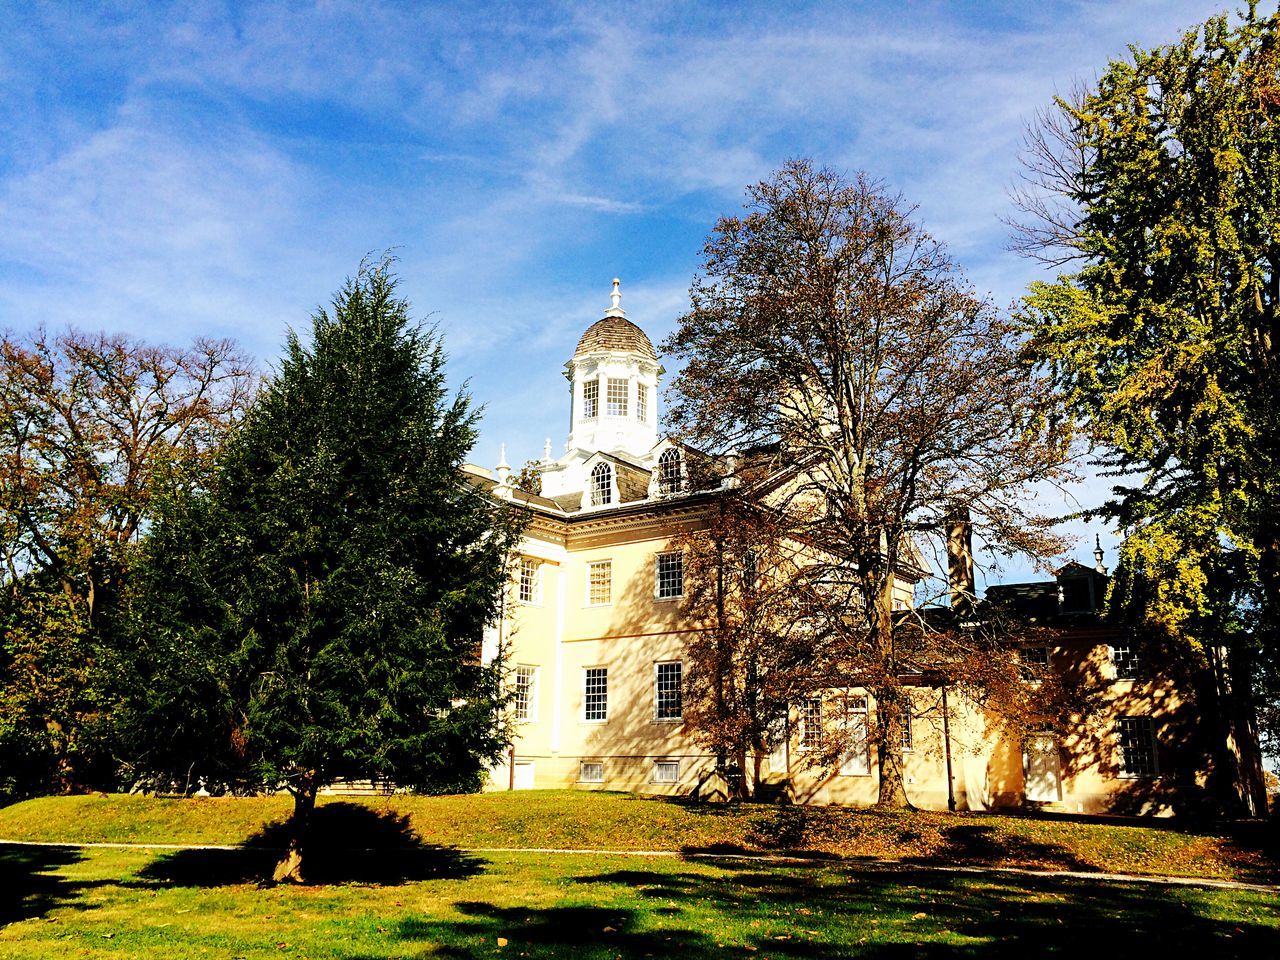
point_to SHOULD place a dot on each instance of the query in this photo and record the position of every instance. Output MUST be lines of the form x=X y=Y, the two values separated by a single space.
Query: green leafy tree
x=314 y=609
x=90 y=425
x=1159 y=188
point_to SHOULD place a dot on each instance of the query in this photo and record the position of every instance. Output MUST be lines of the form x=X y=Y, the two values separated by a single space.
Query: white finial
x=1097 y=554
x=546 y=451
x=616 y=299
x=503 y=471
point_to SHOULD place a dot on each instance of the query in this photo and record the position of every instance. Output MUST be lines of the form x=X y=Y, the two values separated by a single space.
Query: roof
x=615 y=333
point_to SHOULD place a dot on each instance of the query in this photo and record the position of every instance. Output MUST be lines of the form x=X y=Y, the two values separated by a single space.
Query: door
x=1041 y=769
x=524 y=775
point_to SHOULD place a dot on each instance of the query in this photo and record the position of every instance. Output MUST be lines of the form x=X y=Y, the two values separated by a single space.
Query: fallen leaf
x=919 y=916
x=502 y=941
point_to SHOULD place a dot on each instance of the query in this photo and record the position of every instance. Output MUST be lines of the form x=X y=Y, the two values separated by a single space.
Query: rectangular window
x=1136 y=739
x=856 y=761
x=810 y=723
x=1125 y=659
x=595 y=693
x=1035 y=656
x=907 y=743
x=526 y=692
x=670 y=575
x=616 y=398
x=750 y=570
x=666 y=771
x=591 y=399
x=530 y=585
x=642 y=403
x=599 y=583
x=668 y=694
x=591 y=771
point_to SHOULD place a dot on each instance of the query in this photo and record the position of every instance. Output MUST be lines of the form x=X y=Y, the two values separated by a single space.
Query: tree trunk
x=893 y=790
x=292 y=865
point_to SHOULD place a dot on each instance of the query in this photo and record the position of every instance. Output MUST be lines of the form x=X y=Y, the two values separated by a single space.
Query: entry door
x=524 y=775
x=1041 y=769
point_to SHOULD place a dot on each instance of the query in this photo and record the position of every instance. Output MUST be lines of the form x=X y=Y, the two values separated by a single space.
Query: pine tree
x=314 y=610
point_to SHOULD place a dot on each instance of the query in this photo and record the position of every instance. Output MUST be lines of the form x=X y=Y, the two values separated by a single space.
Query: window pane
x=600 y=582
x=616 y=396
x=601 y=484
x=670 y=475
x=595 y=693
x=528 y=581
x=1126 y=661
x=591 y=772
x=670 y=575
x=526 y=677
x=666 y=771
x=642 y=403
x=1137 y=747
x=810 y=723
x=668 y=693
x=590 y=399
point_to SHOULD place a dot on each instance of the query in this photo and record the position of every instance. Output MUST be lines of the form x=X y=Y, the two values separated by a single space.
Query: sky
x=218 y=169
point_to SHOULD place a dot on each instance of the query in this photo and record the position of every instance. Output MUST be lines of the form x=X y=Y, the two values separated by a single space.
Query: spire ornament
x=615 y=298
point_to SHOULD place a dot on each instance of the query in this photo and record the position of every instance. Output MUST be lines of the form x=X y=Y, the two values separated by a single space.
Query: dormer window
x=670 y=471
x=616 y=398
x=601 y=485
x=591 y=399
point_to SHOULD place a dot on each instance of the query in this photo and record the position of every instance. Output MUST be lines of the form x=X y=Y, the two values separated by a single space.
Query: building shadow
x=805 y=914
x=30 y=888
x=349 y=843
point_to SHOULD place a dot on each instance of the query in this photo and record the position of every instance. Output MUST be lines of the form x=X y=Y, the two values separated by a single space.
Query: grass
x=562 y=820
x=112 y=903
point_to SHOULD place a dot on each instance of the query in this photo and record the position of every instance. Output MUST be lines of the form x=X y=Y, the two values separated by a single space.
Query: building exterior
x=595 y=632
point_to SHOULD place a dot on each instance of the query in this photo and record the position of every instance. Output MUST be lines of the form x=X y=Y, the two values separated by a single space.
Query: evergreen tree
x=314 y=609
x=1160 y=188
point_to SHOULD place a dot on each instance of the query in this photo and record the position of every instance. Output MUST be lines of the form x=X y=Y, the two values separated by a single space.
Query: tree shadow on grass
x=29 y=887
x=804 y=914
x=349 y=843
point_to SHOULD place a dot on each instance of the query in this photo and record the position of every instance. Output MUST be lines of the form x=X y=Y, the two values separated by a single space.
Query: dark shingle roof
x=615 y=333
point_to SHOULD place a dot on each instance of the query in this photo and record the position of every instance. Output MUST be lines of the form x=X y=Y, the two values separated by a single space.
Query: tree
x=315 y=611
x=756 y=654
x=1159 y=188
x=829 y=328
x=89 y=424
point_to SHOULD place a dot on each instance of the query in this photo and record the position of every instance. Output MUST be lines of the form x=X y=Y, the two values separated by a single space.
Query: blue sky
x=208 y=168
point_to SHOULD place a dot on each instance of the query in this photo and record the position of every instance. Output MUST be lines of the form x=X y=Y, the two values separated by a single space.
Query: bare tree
x=830 y=332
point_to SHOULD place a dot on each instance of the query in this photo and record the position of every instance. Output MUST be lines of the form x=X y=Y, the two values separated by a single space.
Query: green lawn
x=615 y=821
x=64 y=902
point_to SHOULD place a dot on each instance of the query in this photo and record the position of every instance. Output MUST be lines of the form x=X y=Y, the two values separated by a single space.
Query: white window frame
x=1130 y=657
x=603 y=669
x=667 y=484
x=908 y=733
x=642 y=402
x=1149 y=725
x=601 y=494
x=658 y=715
x=616 y=390
x=590 y=399
x=807 y=715
x=666 y=765
x=533 y=568
x=658 y=559
x=582 y=771
x=608 y=567
x=856 y=761
x=530 y=714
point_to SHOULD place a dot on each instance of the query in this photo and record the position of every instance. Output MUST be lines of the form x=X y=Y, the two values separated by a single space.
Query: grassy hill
x=614 y=821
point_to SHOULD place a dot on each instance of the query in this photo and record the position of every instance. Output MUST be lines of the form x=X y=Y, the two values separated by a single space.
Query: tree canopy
x=830 y=332
x=1158 y=188
x=313 y=609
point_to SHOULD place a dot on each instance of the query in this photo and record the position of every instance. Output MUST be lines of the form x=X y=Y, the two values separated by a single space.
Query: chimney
x=960 y=562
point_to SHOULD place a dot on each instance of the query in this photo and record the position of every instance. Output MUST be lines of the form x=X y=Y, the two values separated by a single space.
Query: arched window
x=601 y=485
x=670 y=472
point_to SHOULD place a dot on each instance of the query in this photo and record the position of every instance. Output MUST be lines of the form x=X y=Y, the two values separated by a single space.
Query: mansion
x=595 y=631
